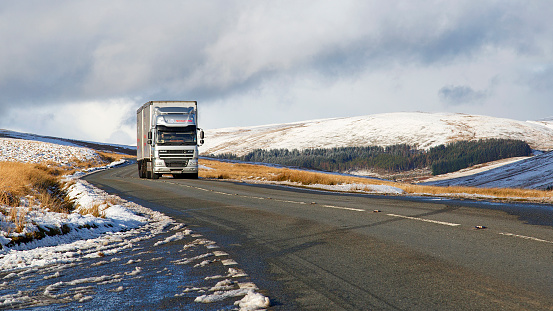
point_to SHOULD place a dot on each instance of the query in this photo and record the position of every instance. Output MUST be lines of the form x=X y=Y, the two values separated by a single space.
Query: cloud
x=460 y=95
x=82 y=50
x=539 y=78
x=290 y=57
x=107 y=121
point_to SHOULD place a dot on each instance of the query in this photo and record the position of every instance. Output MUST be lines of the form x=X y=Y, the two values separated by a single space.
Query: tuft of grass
x=7 y=199
x=113 y=200
x=95 y=210
x=98 y=209
x=18 y=217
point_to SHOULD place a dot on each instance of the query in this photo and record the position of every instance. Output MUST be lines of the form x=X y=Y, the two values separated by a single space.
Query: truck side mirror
x=202 y=135
x=149 y=142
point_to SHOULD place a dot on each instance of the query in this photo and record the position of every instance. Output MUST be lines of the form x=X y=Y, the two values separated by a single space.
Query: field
x=270 y=174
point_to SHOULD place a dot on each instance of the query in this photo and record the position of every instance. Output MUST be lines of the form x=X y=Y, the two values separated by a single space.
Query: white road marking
x=525 y=237
x=426 y=220
x=345 y=208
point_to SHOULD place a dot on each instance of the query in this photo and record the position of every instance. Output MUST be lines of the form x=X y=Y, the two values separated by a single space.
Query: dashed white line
x=426 y=220
x=525 y=237
x=345 y=208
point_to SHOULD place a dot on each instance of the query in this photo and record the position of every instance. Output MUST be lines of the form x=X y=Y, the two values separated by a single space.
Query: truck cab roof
x=175 y=110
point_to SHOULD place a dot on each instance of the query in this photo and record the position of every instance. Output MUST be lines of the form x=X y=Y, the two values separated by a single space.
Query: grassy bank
x=28 y=187
x=258 y=173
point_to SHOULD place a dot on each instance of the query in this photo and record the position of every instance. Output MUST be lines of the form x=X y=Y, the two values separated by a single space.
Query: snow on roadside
x=120 y=223
x=84 y=234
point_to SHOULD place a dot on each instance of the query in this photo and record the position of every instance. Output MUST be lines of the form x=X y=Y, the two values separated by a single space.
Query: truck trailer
x=167 y=139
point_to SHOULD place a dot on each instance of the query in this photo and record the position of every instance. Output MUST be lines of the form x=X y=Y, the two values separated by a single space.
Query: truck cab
x=168 y=136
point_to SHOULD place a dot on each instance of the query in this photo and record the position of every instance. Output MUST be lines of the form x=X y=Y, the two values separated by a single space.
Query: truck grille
x=176 y=163
x=176 y=154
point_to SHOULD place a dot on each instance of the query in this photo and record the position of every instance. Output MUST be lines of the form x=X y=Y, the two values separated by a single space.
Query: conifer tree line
x=397 y=158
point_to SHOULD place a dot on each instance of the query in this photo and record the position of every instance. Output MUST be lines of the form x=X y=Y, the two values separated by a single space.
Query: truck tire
x=144 y=171
x=140 y=169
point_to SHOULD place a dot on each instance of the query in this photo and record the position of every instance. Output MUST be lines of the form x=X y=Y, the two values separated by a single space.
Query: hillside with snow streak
x=531 y=173
x=422 y=130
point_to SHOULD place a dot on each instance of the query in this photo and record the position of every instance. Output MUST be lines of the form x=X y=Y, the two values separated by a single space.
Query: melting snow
x=123 y=225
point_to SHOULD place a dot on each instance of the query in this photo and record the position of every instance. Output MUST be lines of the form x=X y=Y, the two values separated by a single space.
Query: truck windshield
x=176 y=136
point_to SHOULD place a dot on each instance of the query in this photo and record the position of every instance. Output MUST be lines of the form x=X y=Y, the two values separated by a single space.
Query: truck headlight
x=159 y=163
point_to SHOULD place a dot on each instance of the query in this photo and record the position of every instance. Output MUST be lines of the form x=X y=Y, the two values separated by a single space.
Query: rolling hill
x=422 y=130
x=531 y=173
x=123 y=149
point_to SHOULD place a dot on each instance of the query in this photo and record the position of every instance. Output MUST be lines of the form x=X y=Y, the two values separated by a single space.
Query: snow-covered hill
x=423 y=130
x=532 y=173
x=130 y=150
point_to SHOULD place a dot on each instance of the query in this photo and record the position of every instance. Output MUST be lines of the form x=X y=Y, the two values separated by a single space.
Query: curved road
x=313 y=250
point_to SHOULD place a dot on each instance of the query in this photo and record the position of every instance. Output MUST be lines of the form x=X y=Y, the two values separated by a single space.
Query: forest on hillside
x=397 y=158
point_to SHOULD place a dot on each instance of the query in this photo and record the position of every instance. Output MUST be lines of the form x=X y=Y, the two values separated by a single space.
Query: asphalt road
x=314 y=250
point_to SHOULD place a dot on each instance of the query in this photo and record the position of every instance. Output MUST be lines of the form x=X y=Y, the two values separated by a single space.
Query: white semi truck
x=167 y=139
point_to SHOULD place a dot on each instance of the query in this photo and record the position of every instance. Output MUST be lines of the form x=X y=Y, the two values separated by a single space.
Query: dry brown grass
x=77 y=164
x=15 y=180
x=239 y=171
x=42 y=182
x=17 y=216
x=96 y=210
x=110 y=156
x=18 y=180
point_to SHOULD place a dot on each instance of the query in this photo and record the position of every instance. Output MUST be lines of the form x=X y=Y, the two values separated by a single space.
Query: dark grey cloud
x=460 y=95
x=539 y=79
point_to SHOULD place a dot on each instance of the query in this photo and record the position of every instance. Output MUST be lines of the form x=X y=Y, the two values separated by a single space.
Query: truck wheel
x=141 y=169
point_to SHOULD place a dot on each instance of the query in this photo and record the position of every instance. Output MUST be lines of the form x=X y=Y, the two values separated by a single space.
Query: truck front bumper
x=161 y=168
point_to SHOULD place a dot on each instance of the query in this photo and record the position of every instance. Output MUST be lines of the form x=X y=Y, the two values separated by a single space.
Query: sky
x=80 y=69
